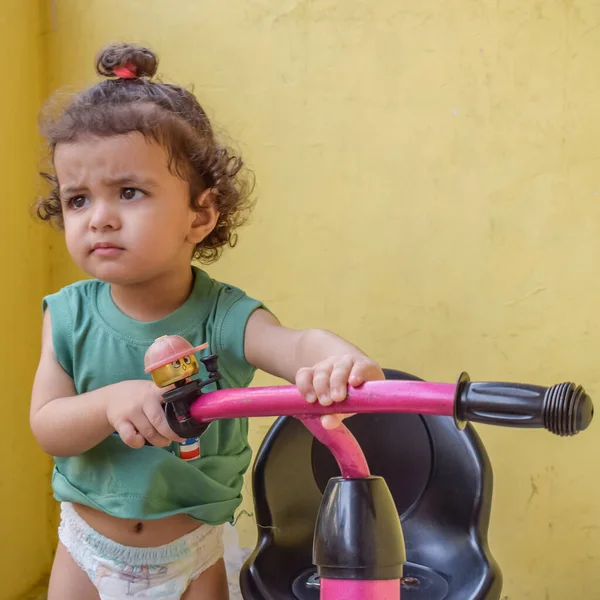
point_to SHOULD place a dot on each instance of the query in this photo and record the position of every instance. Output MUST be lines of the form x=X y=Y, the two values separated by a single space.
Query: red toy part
x=167 y=349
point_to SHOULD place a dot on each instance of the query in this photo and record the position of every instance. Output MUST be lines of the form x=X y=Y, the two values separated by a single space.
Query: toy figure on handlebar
x=171 y=361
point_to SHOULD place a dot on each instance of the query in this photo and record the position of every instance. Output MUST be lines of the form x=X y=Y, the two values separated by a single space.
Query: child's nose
x=104 y=216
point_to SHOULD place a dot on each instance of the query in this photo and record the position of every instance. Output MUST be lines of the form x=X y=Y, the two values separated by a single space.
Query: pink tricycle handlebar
x=563 y=409
x=372 y=397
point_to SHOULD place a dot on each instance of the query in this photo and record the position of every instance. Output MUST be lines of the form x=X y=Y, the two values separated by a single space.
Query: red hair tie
x=126 y=71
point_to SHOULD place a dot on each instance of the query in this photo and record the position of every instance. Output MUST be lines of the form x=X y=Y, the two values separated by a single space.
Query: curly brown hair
x=167 y=114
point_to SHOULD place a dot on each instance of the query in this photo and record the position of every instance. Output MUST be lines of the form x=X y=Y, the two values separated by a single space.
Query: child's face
x=127 y=218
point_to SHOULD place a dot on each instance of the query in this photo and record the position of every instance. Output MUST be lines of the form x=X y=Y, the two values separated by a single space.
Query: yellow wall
x=25 y=501
x=428 y=184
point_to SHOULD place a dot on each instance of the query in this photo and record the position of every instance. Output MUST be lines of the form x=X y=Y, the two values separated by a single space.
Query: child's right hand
x=136 y=413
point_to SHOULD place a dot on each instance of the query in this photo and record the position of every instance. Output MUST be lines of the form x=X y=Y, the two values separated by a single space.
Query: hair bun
x=117 y=55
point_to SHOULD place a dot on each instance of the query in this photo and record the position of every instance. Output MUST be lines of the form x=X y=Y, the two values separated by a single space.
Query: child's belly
x=141 y=534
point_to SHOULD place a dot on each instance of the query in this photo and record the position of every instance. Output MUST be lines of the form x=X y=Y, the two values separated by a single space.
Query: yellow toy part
x=178 y=370
x=171 y=359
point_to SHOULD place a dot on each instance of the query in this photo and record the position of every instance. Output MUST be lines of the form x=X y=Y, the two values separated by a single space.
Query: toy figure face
x=177 y=370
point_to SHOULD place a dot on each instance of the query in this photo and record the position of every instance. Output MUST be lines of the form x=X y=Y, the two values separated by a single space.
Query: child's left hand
x=328 y=381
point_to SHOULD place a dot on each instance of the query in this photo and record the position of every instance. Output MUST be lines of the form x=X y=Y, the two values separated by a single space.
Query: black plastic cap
x=358 y=533
x=586 y=413
x=567 y=409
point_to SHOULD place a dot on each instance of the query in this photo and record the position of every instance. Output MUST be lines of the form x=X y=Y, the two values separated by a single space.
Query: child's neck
x=154 y=299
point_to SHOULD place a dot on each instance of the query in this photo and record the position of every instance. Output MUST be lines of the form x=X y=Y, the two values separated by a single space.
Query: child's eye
x=131 y=194
x=77 y=202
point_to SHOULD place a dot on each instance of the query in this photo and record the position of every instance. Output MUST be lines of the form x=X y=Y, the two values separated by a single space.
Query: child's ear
x=205 y=217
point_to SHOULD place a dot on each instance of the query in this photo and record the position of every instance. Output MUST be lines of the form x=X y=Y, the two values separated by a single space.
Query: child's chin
x=112 y=274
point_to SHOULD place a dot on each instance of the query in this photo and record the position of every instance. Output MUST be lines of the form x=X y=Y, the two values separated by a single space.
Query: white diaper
x=120 y=572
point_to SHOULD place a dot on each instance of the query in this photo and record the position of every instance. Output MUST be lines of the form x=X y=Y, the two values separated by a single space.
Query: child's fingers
x=365 y=370
x=130 y=435
x=155 y=414
x=321 y=379
x=339 y=378
x=145 y=428
x=331 y=421
x=304 y=383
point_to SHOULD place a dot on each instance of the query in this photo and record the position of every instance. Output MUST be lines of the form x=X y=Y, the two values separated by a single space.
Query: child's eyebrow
x=128 y=179
x=71 y=190
x=122 y=180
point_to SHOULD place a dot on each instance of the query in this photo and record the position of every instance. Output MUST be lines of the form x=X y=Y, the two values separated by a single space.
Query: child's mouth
x=106 y=250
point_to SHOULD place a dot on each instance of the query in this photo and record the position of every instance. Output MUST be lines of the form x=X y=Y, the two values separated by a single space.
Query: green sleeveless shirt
x=97 y=345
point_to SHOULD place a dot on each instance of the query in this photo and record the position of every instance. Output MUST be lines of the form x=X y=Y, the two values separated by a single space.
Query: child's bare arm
x=66 y=423
x=320 y=363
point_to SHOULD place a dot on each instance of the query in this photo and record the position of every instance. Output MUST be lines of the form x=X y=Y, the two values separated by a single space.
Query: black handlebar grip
x=564 y=409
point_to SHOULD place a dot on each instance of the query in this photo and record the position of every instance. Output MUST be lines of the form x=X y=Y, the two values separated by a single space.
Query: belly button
x=139 y=527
